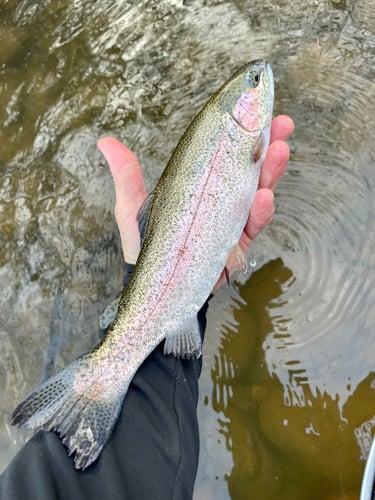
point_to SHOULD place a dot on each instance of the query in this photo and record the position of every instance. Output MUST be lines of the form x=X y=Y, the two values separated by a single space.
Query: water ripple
x=324 y=231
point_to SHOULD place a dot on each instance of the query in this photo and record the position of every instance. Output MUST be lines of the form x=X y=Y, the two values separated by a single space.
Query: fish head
x=248 y=96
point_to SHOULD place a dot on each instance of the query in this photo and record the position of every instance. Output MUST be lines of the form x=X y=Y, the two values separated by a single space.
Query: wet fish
x=190 y=224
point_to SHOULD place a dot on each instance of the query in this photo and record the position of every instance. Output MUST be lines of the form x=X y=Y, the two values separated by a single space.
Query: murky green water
x=287 y=402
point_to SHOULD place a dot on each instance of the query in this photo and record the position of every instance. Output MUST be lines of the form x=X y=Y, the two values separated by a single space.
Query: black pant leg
x=152 y=453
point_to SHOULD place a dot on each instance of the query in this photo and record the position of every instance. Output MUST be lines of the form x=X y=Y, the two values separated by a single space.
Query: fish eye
x=254 y=77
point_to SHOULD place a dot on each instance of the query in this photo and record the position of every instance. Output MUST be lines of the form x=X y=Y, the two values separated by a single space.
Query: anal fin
x=186 y=342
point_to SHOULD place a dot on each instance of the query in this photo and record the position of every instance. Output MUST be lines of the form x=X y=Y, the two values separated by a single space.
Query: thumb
x=130 y=192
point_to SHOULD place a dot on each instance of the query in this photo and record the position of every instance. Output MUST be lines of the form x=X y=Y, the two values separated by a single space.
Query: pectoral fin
x=236 y=260
x=260 y=146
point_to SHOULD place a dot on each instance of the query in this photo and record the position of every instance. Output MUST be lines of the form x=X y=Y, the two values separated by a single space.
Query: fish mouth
x=269 y=77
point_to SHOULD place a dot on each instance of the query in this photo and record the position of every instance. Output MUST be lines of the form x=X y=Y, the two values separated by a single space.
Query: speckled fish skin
x=195 y=219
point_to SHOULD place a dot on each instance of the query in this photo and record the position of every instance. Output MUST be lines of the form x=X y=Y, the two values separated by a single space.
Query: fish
x=190 y=227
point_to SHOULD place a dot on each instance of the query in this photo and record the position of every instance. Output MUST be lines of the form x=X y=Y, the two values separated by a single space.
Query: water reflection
x=72 y=71
x=284 y=441
x=241 y=382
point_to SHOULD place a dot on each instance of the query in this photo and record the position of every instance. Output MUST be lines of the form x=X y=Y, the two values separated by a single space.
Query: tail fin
x=80 y=404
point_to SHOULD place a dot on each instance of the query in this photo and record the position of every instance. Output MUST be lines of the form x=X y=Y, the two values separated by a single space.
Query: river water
x=287 y=391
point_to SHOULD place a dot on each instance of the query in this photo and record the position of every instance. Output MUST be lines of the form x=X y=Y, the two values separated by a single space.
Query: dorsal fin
x=143 y=215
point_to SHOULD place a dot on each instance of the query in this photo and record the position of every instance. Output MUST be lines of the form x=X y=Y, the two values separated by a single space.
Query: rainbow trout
x=190 y=225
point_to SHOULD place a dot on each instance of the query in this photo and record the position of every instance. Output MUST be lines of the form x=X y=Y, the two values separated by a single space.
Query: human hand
x=130 y=189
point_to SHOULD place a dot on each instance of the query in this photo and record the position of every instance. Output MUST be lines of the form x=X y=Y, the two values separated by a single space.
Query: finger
x=130 y=193
x=274 y=165
x=125 y=170
x=282 y=127
x=261 y=215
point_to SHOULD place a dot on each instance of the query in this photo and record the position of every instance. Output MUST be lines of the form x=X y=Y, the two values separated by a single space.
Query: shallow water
x=286 y=402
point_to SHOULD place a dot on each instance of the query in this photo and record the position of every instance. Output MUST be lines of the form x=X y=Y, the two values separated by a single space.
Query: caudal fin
x=79 y=405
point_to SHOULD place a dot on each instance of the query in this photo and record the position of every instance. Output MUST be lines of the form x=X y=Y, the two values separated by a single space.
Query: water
x=286 y=402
